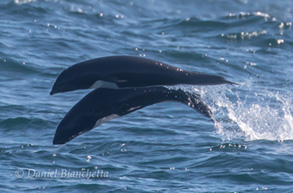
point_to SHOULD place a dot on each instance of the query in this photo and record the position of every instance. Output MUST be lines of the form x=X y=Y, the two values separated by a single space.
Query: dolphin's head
x=72 y=79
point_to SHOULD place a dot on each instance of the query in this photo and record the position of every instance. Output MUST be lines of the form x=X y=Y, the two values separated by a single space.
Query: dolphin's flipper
x=103 y=104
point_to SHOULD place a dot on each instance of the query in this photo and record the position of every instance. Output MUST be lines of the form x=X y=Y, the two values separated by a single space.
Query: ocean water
x=166 y=147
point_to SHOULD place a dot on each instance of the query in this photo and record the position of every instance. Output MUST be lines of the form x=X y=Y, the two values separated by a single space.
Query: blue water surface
x=166 y=147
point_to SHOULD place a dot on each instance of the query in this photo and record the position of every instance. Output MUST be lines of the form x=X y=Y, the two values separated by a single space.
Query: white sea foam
x=247 y=112
x=23 y=1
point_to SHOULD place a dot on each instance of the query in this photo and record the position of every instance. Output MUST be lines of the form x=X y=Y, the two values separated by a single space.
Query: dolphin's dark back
x=105 y=104
x=128 y=71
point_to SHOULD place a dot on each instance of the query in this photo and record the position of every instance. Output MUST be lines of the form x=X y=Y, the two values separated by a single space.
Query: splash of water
x=251 y=113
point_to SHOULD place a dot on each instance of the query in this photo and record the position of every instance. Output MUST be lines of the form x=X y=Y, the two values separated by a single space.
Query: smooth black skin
x=128 y=71
x=104 y=102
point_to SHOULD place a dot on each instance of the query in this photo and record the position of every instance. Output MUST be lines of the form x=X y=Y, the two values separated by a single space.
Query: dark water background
x=166 y=147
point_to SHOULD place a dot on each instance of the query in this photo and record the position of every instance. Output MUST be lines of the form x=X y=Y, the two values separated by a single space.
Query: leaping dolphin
x=126 y=72
x=104 y=104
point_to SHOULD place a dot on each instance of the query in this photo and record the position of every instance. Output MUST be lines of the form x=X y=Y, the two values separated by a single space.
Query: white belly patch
x=104 y=84
x=105 y=119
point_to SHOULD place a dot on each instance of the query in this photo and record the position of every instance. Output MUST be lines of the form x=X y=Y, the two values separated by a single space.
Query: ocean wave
x=21 y=123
